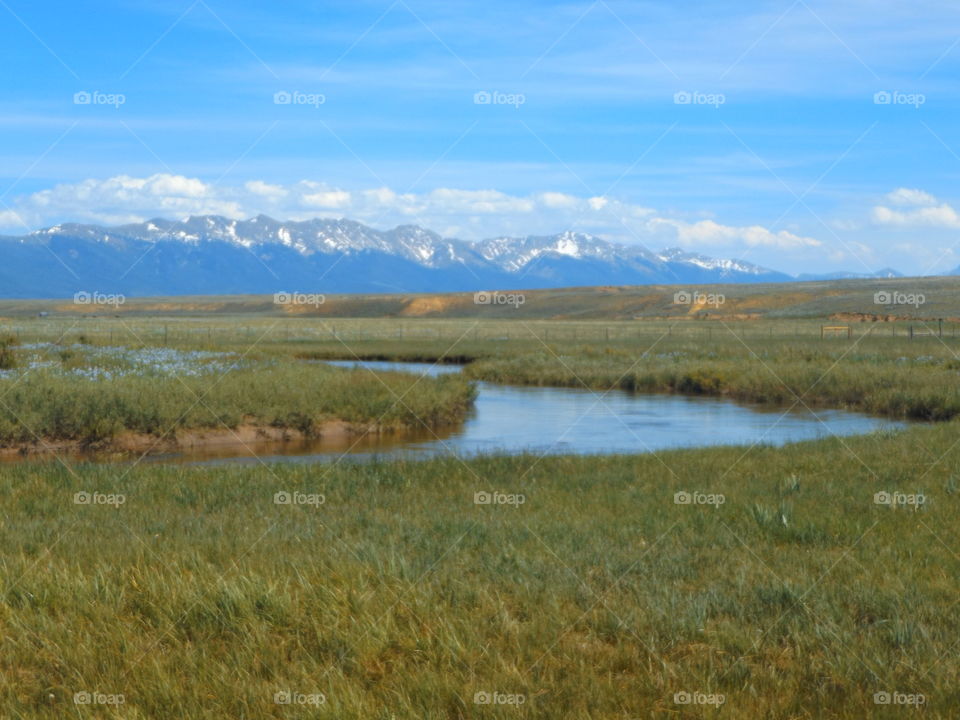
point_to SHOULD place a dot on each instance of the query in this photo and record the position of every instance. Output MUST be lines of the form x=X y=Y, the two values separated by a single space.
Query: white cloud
x=332 y=199
x=597 y=203
x=558 y=200
x=258 y=187
x=125 y=199
x=920 y=210
x=477 y=201
x=12 y=220
x=908 y=196
x=469 y=214
x=172 y=185
x=382 y=195
x=710 y=233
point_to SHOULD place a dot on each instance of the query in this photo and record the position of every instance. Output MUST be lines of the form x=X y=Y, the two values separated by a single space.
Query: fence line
x=180 y=332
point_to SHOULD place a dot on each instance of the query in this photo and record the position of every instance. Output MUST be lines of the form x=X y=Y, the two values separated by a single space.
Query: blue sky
x=750 y=130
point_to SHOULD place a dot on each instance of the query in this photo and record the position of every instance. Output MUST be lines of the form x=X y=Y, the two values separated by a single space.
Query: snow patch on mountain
x=410 y=242
x=354 y=257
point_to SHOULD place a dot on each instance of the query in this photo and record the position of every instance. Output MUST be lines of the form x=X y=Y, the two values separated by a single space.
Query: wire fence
x=220 y=331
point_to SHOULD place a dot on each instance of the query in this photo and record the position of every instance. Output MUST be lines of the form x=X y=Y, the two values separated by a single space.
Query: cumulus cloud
x=332 y=199
x=597 y=203
x=124 y=199
x=258 y=187
x=910 y=196
x=709 y=233
x=558 y=200
x=915 y=208
x=487 y=202
x=469 y=214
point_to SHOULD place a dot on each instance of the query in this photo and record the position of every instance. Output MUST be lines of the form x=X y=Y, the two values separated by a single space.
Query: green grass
x=598 y=597
x=772 y=362
x=398 y=597
x=52 y=403
x=871 y=377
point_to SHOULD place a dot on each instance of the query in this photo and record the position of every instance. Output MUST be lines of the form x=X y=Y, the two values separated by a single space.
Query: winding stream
x=515 y=419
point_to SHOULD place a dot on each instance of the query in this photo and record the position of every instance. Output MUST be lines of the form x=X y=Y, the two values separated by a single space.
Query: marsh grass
x=72 y=399
x=774 y=362
x=884 y=382
x=398 y=597
x=8 y=358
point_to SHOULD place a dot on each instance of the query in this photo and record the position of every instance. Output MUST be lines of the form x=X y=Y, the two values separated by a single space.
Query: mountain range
x=213 y=255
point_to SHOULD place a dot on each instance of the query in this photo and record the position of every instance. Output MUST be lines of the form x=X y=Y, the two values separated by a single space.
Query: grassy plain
x=936 y=298
x=800 y=596
x=399 y=597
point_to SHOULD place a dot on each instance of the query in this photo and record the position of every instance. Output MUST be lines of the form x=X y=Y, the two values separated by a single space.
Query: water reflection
x=515 y=419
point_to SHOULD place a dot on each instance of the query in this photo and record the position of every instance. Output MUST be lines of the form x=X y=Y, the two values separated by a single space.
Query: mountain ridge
x=212 y=254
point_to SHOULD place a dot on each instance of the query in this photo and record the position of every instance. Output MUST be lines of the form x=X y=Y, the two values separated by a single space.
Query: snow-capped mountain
x=216 y=255
x=884 y=274
x=677 y=255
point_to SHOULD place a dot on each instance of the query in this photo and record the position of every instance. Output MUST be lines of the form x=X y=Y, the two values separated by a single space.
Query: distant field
x=470 y=336
x=849 y=299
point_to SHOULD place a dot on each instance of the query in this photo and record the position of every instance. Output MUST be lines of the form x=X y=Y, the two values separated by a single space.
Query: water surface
x=515 y=419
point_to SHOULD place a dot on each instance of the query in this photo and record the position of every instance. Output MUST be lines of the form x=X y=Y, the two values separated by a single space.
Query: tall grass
x=45 y=405
x=8 y=357
x=398 y=597
x=923 y=387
